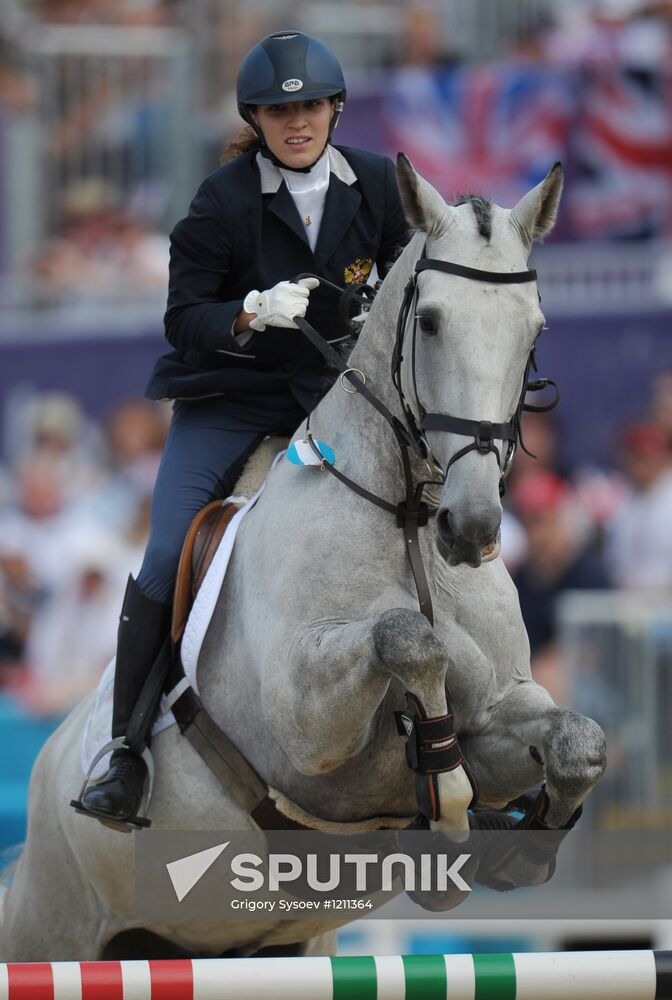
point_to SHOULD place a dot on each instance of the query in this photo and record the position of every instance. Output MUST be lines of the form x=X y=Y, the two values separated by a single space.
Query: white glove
x=276 y=306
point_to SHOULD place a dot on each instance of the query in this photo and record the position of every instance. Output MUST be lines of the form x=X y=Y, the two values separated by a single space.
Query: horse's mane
x=482 y=210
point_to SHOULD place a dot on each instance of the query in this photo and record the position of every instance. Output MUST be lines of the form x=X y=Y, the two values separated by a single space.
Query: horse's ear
x=535 y=214
x=424 y=207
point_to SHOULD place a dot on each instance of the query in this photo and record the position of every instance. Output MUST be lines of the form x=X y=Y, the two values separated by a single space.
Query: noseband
x=412 y=512
x=483 y=432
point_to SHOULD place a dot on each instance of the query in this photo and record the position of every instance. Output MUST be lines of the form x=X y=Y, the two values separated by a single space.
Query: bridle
x=483 y=432
x=412 y=512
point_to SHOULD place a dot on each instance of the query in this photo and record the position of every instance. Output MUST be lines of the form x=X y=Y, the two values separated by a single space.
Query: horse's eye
x=427 y=324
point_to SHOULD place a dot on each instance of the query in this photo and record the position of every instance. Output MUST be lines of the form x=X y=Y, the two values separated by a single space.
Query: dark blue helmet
x=288 y=66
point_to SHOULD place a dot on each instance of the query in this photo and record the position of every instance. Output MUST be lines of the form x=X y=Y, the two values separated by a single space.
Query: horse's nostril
x=444 y=527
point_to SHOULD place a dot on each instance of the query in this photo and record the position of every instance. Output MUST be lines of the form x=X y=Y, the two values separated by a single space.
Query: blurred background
x=112 y=111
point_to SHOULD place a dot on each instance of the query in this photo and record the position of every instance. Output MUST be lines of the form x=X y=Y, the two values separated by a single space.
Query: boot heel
x=124 y=824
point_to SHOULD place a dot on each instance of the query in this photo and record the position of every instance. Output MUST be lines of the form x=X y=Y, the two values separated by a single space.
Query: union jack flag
x=623 y=151
x=493 y=131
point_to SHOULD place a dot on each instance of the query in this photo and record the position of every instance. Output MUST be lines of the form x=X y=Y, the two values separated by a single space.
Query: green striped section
x=354 y=978
x=425 y=977
x=495 y=977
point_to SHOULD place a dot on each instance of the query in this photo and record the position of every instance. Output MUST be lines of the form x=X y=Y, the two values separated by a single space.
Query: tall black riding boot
x=143 y=628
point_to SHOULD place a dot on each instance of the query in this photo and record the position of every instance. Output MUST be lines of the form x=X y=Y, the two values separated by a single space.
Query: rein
x=412 y=512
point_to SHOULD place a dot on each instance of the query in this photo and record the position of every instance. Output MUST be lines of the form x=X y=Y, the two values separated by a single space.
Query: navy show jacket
x=243 y=231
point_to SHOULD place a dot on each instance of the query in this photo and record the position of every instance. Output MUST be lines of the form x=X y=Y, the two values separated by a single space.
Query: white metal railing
x=115 y=107
x=575 y=280
x=583 y=279
x=364 y=36
x=617 y=651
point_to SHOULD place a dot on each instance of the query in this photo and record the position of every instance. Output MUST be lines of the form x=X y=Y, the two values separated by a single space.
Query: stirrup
x=130 y=823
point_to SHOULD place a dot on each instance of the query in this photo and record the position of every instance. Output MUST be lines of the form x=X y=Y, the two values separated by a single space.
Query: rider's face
x=295 y=132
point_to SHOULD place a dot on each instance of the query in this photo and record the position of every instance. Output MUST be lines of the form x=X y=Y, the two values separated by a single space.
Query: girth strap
x=225 y=760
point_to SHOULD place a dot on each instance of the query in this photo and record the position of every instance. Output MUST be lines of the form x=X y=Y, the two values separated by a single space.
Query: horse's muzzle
x=472 y=540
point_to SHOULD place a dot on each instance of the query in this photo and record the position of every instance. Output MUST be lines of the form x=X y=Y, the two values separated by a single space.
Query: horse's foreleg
x=412 y=651
x=321 y=707
x=529 y=739
x=340 y=673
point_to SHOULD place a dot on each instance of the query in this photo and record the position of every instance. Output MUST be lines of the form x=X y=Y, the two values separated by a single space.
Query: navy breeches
x=208 y=443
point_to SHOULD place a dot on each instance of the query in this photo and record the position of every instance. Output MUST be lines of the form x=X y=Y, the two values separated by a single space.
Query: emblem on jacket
x=358 y=271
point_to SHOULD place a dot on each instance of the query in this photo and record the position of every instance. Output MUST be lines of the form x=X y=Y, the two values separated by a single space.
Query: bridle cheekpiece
x=483 y=432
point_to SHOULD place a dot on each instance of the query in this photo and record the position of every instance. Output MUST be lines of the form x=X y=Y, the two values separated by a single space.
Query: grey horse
x=318 y=635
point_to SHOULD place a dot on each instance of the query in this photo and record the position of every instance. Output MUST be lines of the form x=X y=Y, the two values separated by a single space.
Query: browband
x=497 y=277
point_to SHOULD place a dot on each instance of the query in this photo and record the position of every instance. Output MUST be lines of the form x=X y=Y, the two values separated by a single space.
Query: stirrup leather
x=130 y=823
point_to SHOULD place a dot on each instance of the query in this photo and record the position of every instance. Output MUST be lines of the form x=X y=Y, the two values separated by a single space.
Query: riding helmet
x=288 y=66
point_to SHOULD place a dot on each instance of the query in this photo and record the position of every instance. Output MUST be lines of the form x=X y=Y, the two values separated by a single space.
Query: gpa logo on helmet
x=292 y=85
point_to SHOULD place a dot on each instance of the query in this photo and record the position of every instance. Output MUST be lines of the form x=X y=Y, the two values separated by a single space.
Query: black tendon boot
x=143 y=629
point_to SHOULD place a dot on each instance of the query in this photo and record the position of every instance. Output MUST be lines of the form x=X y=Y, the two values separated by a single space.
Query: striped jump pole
x=597 y=975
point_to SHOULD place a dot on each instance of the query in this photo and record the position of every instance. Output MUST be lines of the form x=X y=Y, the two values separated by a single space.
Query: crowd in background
x=74 y=516
x=586 y=528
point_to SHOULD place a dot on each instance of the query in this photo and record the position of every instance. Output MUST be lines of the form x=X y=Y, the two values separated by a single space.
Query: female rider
x=288 y=203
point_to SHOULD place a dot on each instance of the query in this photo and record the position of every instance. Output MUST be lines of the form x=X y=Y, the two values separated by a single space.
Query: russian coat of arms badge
x=358 y=271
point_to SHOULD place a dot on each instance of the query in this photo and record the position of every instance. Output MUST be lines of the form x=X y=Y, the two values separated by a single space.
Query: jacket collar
x=341 y=203
x=272 y=179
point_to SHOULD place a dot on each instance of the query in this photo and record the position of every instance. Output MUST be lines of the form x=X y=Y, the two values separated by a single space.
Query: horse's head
x=472 y=342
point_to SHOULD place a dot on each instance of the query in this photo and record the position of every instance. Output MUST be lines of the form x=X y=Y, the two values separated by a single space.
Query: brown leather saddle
x=202 y=541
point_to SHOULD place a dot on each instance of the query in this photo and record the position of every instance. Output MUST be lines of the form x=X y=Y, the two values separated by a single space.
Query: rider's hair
x=244 y=142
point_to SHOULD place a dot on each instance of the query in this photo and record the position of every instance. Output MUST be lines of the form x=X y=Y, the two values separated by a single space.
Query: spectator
x=134 y=432
x=101 y=254
x=18 y=89
x=38 y=533
x=611 y=32
x=53 y=426
x=130 y=12
x=72 y=637
x=661 y=407
x=541 y=438
x=559 y=558
x=424 y=40
x=513 y=541
x=639 y=540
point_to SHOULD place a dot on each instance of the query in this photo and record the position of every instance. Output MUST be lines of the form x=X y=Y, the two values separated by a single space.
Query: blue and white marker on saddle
x=301 y=453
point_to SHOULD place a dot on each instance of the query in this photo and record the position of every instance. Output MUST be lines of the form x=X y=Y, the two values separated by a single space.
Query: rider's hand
x=278 y=305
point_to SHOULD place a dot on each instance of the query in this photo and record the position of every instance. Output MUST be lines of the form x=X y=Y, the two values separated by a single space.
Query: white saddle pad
x=98 y=729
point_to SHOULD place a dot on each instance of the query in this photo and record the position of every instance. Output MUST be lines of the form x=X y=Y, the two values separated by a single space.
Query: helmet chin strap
x=266 y=152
